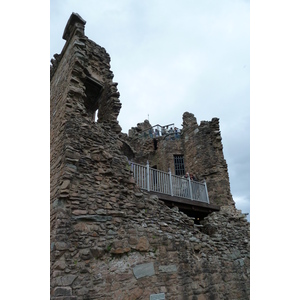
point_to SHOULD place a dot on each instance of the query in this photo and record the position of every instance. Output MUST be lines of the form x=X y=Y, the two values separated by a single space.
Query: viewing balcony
x=188 y=195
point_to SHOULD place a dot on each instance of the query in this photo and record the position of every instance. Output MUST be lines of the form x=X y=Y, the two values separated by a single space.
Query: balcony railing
x=161 y=131
x=164 y=182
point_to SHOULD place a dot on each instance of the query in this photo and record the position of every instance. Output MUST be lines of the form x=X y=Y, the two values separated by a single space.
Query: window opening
x=155 y=144
x=93 y=90
x=179 y=165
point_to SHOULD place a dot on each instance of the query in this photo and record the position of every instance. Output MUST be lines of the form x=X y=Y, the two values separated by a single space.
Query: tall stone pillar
x=204 y=157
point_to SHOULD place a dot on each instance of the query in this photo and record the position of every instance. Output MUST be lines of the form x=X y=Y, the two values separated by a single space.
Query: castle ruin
x=112 y=239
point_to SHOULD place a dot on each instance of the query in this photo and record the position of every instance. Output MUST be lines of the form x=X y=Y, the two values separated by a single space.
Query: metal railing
x=164 y=182
x=158 y=130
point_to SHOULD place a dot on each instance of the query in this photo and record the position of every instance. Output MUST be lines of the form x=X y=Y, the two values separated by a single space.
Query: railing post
x=148 y=177
x=190 y=186
x=206 y=192
x=170 y=176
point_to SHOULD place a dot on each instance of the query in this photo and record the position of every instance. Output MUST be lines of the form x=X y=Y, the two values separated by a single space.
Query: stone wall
x=109 y=239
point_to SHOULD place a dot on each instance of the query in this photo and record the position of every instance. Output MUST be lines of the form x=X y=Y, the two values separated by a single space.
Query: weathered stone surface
x=61 y=246
x=143 y=244
x=64 y=298
x=97 y=252
x=79 y=212
x=160 y=296
x=95 y=218
x=60 y=265
x=65 y=184
x=66 y=280
x=143 y=270
x=62 y=291
x=168 y=268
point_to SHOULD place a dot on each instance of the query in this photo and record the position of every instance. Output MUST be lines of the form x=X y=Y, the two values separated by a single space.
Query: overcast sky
x=173 y=56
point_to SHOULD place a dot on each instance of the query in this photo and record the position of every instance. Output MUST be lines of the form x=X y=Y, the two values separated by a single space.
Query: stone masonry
x=108 y=238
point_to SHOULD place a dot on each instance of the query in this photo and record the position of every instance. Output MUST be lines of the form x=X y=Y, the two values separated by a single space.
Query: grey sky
x=169 y=57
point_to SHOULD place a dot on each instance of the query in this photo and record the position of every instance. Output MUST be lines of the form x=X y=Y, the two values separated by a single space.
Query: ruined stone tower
x=109 y=238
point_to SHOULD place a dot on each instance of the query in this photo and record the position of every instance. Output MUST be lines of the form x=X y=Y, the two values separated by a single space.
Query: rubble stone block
x=143 y=270
x=62 y=291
